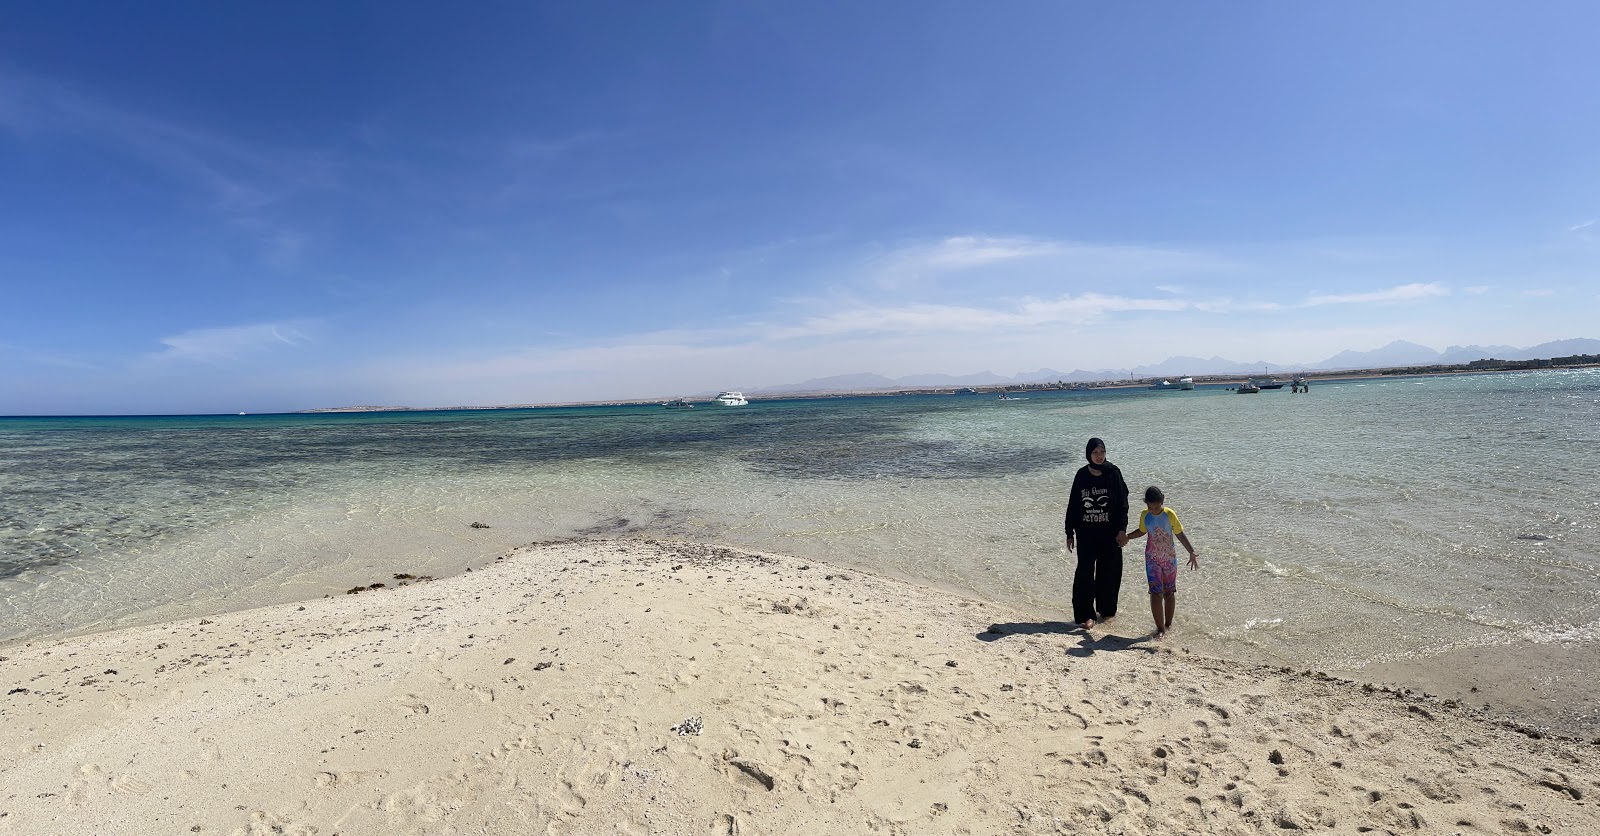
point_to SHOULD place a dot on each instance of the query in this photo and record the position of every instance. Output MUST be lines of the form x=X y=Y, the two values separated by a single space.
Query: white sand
x=540 y=695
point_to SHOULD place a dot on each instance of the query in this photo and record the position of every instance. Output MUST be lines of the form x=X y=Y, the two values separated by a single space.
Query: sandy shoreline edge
x=652 y=687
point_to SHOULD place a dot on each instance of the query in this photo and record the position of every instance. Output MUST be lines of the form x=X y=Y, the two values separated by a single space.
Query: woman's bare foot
x=1088 y=625
x=1160 y=634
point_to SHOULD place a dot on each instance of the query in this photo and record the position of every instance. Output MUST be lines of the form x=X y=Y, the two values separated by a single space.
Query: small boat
x=1183 y=384
x=680 y=403
x=730 y=399
x=1248 y=389
x=1007 y=396
x=1266 y=383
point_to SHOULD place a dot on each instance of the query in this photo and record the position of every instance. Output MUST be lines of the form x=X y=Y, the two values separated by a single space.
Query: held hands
x=1122 y=539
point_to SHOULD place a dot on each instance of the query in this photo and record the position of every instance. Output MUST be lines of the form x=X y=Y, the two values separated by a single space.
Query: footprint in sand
x=130 y=785
x=484 y=695
x=412 y=705
x=336 y=780
x=572 y=800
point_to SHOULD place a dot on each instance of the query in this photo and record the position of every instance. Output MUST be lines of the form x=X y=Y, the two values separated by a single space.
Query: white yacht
x=730 y=399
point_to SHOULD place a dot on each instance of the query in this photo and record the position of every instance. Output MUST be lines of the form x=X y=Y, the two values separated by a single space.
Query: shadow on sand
x=1088 y=643
x=997 y=632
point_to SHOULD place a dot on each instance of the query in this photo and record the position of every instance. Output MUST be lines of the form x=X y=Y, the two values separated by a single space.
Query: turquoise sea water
x=1439 y=512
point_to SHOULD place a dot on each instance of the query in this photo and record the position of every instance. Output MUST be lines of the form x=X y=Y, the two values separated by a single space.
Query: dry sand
x=638 y=687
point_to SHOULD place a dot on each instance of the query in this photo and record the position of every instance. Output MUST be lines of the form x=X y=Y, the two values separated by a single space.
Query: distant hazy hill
x=1402 y=353
x=1397 y=353
x=837 y=383
x=1468 y=353
x=1559 y=348
x=1181 y=366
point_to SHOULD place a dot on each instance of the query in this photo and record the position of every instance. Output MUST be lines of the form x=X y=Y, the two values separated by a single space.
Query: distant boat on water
x=1182 y=384
x=730 y=398
x=1266 y=381
x=680 y=403
x=1249 y=388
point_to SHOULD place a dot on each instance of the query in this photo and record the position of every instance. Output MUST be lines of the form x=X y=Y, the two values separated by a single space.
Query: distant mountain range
x=1397 y=353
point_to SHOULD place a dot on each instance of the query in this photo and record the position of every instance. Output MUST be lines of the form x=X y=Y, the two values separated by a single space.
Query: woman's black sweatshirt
x=1098 y=507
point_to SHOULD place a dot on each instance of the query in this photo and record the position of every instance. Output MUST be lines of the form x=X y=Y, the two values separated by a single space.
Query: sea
x=1365 y=521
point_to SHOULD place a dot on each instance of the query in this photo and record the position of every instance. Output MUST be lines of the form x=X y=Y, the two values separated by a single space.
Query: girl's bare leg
x=1155 y=612
x=1169 y=602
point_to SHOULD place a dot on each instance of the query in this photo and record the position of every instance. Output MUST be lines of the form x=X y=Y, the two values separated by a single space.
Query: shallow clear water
x=1364 y=521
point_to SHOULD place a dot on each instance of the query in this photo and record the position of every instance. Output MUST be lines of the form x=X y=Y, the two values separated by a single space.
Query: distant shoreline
x=989 y=389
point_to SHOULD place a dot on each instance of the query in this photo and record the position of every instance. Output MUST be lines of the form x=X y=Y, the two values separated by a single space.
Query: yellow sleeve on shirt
x=1172 y=517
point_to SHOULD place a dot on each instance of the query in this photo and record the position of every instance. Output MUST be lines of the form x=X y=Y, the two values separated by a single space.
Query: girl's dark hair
x=1154 y=494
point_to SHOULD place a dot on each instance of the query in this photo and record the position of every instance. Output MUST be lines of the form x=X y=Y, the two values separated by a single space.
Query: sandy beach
x=645 y=687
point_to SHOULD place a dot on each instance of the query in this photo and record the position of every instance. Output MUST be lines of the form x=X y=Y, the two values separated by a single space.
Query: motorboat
x=1266 y=383
x=1248 y=388
x=680 y=403
x=730 y=399
x=1182 y=383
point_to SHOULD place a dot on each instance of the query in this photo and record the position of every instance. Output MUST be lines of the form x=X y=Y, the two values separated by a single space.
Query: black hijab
x=1108 y=467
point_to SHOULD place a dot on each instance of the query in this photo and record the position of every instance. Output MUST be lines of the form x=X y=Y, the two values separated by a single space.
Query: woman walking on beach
x=1097 y=524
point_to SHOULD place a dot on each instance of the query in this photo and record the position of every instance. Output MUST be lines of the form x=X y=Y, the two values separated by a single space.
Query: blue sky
x=255 y=207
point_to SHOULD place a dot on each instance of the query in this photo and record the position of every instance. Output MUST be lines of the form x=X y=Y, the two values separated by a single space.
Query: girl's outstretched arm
x=1194 y=559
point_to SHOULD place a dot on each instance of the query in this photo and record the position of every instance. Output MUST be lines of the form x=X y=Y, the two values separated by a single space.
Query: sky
x=222 y=207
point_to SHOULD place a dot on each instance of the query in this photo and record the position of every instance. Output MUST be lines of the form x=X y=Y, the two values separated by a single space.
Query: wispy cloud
x=224 y=345
x=973 y=251
x=237 y=180
x=927 y=319
x=1583 y=226
x=914 y=263
x=1477 y=289
x=1538 y=291
x=1402 y=293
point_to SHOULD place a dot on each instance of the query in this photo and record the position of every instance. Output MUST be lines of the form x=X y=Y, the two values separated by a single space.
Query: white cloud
x=929 y=319
x=244 y=184
x=1538 y=292
x=222 y=345
x=1585 y=225
x=967 y=251
x=1401 y=293
x=1477 y=289
x=1102 y=264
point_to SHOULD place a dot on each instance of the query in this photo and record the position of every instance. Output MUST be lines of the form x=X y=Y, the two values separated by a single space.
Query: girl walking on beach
x=1160 y=558
x=1097 y=524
